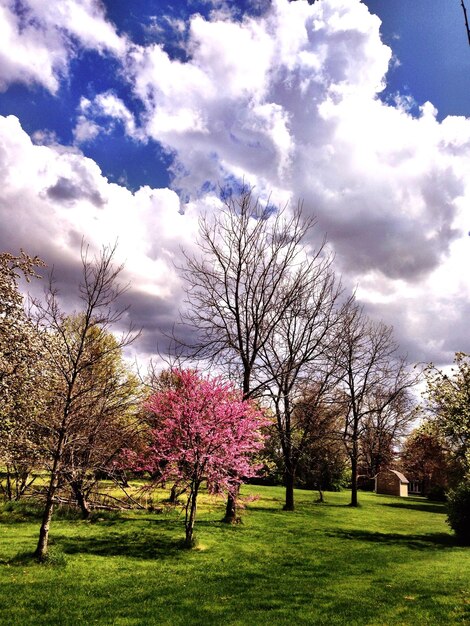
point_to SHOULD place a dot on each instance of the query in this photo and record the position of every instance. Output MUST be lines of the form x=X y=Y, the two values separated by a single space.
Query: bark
x=354 y=480
x=8 y=487
x=81 y=499
x=191 y=517
x=42 y=547
x=231 y=508
x=175 y=493
x=289 y=479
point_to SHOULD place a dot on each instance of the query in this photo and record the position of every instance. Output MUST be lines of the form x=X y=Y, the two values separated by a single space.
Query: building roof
x=403 y=479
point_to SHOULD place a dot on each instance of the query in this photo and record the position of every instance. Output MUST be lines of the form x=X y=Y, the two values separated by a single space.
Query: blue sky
x=119 y=119
x=427 y=37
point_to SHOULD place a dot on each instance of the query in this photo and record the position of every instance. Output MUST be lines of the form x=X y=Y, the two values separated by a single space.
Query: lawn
x=391 y=561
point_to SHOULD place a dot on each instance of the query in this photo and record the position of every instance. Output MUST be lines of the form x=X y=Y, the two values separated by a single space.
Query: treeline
x=269 y=317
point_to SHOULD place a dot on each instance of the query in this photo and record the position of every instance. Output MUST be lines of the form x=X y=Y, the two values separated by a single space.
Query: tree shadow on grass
x=428 y=541
x=417 y=506
x=137 y=545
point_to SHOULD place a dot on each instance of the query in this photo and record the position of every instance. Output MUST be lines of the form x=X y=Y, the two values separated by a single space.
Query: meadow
x=390 y=561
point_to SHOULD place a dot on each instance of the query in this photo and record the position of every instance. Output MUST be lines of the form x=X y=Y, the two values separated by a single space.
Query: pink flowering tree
x=204 y=431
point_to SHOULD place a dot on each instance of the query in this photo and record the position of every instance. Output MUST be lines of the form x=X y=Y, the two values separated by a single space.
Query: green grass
x=391 y=561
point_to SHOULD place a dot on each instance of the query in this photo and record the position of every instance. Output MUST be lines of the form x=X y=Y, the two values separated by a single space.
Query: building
x=391 y=483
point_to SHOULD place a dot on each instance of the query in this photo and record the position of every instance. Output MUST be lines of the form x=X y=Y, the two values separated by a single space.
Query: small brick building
x=392 y=483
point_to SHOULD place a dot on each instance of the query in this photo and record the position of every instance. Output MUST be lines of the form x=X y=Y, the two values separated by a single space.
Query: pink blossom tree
x=204 y=431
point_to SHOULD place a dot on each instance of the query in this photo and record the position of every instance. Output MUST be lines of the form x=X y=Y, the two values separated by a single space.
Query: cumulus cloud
x=51 y=199
x=39 y=38
x=101 y=115
x=289 y=102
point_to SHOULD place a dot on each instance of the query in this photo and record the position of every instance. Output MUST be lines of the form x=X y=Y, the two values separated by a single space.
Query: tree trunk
x=231 y=507
x=81 y=499
x=289 y=479
x=191 y=517
x=41 y=550
x=173 y=494
x=354 y=480
x=8 y=486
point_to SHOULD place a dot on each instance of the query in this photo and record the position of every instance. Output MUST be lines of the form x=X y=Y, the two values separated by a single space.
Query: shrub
x=437 y=493
x=458 y=511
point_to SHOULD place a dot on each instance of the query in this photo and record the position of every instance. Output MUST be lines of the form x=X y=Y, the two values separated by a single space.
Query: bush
x=437 y=494
x=458 y=512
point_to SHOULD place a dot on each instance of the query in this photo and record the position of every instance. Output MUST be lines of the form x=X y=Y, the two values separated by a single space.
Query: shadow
x=429 y=541
x=427 y=507
x=137 y=545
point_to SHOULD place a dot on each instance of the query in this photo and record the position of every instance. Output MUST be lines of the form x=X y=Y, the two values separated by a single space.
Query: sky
x=122 y=119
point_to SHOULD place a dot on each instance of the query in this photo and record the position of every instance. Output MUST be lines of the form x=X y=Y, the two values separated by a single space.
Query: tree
x=296 y=363
x=204 y=431
x=21 y=375
x=370 y=378
x=107 y=403
x=241 y=284
x=76 y=346
x=323 y=463
x=447 y=399
x=383 y=430
x=425 y=459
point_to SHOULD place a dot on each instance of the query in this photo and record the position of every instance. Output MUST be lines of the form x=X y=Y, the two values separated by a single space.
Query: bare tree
x=296 y=359
x=383 y=431
x=75 y=347
x=241 y=284
x=371 y=377
x=464 y=9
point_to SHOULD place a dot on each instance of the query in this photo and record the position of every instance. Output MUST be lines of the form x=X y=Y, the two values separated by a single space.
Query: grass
x=390 y=561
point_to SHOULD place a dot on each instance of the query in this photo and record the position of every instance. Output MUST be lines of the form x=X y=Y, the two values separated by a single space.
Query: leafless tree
x=76 y=346
x=371 y=378
x=241 y=284
x=383 y=431
x=296 y=358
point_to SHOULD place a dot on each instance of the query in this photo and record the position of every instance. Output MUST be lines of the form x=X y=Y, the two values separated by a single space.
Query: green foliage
x=425 y=458
x=309 y=566
x=458 y=512
x=448 y=399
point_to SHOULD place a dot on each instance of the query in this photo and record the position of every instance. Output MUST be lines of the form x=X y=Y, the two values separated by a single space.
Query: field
x=391 y=561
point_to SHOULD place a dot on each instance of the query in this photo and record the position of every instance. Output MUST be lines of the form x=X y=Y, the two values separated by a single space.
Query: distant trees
x=382 y=432
x=371 y=378
x=425 y=459
x=87 y=387
x=203 y=431
x=323 y=463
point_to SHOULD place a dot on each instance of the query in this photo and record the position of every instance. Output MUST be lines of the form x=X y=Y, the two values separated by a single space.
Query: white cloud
x=290 y=102
x=109 y=109
x=38 y=38
x=51 y=199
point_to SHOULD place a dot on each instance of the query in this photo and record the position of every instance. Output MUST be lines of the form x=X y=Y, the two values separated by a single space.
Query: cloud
x=51 y=199
x=101 y=115
x=39 y=38
x=289 y=102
